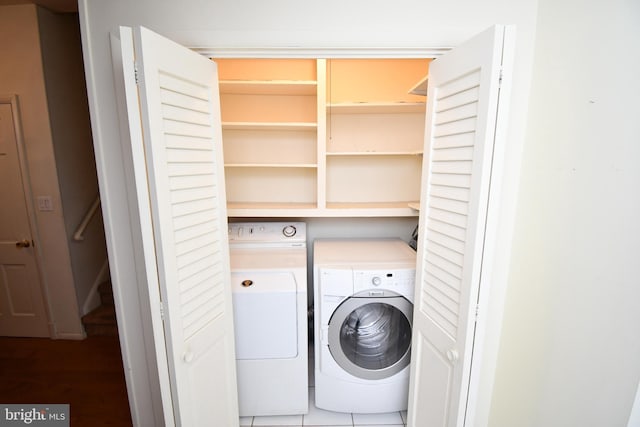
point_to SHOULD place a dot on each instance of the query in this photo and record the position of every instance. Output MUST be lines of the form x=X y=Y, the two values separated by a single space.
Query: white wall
x=571 y=343
x=345 y=228
x=21 y=73
x=243 y=24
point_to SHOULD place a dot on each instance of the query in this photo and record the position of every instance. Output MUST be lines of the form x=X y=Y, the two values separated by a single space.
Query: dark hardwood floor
x=85 y=374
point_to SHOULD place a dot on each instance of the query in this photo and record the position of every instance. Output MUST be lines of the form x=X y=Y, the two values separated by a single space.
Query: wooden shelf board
x=269 y=87
x=373 y=153
x=368 y=205
x=271 y=165
x=271 y=210
x=306 y=210
x=265 y=126
x=377 y=108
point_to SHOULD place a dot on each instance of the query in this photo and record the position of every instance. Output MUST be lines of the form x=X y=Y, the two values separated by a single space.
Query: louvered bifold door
x=179 y=106
x=462 y=102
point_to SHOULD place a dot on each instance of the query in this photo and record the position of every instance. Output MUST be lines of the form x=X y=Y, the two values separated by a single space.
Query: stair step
x=101 y=321
x=106 y=293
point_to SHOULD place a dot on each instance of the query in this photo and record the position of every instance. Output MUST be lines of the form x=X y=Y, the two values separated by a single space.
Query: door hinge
x=161 y=310
x=500 y=79
x=136 y=73
x=477 y=312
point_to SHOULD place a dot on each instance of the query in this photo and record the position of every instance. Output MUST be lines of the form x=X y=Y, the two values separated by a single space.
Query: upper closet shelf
x=269 y=87
x=271 y=165
x=373 y=153
x=376 y=107
x=269 y=125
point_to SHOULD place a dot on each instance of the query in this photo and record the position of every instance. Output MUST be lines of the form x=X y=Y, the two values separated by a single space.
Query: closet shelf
x=265 y=126
x=373 y=153
x=370 y=209
x=376 y=107
x=335 y=210
x=268 y=87
x=271 y=165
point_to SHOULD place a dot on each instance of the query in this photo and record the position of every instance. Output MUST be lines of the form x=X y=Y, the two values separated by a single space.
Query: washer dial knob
x=376 y=281
x=289 y=231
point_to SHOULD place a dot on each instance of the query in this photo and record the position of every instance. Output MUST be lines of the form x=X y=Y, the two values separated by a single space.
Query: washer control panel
x=294 y=233
x=400 y=281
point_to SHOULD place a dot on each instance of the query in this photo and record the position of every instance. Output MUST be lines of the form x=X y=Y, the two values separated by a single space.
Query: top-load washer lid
x=264 y=314
x=275 y=259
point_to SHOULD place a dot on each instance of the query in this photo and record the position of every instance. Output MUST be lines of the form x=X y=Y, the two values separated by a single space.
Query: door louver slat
x=449 y=205
x=449 y=189
x=187 y=130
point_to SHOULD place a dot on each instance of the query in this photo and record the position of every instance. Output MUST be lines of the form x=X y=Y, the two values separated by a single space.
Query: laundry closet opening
x=335 y=142
x=465 y=137
x=323 y=137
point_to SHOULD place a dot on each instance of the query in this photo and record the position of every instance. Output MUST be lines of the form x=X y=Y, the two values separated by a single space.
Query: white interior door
x=463 y=100
x=22 y=309
x=179 y=163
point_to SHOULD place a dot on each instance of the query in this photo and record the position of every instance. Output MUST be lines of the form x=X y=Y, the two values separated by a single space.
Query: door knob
x=188 y=356
x=452 y=355
x=23 y=244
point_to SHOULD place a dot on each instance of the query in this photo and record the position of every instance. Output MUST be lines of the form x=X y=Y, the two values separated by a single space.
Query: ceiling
x=62 y=6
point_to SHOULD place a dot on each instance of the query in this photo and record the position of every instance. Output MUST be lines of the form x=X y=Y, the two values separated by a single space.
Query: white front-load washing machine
x=363 y=310
x=269 y=294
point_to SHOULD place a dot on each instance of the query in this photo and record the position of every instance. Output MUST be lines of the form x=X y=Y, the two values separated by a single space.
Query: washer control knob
x=289 y=231
x=376 y=281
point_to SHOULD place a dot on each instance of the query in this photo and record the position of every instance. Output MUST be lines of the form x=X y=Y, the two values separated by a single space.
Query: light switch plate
x=45 y=204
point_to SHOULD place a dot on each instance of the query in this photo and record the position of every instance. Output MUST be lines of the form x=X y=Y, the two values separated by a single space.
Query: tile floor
x=321 y=418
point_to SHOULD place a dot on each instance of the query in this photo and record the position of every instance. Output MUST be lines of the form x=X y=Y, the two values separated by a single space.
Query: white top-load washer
x=269 y=294
x=363 y=292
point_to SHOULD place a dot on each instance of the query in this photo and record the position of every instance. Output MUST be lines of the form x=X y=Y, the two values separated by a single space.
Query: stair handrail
x=78 y=236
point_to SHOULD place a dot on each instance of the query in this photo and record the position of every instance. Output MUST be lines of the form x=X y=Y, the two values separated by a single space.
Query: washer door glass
x=371 y=337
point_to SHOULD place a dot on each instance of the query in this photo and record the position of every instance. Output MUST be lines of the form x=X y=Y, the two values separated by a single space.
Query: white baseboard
x=71 y=336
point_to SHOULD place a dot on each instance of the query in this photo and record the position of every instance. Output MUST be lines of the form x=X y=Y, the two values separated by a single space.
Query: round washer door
x=370 y=337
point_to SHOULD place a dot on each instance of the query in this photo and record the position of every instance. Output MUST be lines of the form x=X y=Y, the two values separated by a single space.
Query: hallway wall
x=570 y=347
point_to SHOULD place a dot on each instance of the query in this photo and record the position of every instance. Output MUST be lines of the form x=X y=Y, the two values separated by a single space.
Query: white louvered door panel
x=462 y=103
x=179 y=107
x=453 y=143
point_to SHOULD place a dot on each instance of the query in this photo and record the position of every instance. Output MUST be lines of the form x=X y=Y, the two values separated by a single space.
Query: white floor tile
x=330 y=425
x=320 y=417
x=280 y=420
x=378 y=425
x=246 y=421
x=377 y=419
